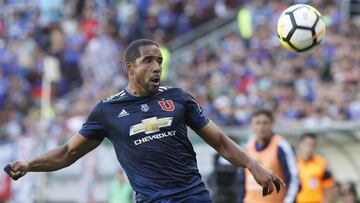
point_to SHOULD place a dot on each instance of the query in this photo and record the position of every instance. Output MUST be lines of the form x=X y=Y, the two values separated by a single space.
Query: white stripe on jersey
x=163 y=87
x=118 y=94
x=121 y=93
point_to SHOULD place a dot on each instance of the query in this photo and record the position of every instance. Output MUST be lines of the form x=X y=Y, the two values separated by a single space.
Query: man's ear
x=129 y=68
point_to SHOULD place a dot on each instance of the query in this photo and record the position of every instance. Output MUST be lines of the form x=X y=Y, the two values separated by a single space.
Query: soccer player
x=316 y=180
x=147 y=125
x=275 y=153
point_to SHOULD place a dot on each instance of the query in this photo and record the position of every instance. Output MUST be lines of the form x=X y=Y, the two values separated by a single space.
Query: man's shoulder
x=176 y=93
x=168 y=89
x=123 y=96
x=171 y=91
x=118 y=97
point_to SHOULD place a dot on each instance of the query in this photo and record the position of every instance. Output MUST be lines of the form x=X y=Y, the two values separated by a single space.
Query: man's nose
x=157 y=67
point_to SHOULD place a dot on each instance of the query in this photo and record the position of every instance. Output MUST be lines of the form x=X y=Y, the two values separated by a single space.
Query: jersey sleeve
x=94 y=128
x=194 y=115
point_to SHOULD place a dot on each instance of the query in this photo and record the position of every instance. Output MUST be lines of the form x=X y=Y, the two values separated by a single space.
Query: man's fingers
x=13 y=173
x=277 y=185
x=265 y=191
x=268 y=189
x=16 y=175
x=7 y=169
x=16 y=166
x=280 y=181
x=271 y=188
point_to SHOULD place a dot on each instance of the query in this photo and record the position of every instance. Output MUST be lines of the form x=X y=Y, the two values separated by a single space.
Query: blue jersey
x=149 y=135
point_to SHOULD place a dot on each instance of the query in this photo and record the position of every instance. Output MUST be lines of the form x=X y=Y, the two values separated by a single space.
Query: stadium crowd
x=310 y=89
x=230 y=81
x=86 y=38
x=240 y=74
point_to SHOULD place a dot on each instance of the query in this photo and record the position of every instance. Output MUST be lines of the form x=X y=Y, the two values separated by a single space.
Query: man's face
x=261 y=125
x=307 y=147
x=146 y=69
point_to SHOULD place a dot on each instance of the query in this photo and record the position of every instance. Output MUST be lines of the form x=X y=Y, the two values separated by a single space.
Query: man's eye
x=148 y=60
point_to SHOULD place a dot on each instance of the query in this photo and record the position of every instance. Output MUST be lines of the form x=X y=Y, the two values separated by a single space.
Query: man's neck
x=132 y=91
x=135 y=90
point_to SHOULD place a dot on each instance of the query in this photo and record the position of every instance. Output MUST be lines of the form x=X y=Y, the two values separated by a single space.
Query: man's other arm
x=236 y=155
x=55 y=159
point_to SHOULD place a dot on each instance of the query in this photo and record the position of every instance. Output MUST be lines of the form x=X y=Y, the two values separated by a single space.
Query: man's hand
x=266 y=178
x=17 y=169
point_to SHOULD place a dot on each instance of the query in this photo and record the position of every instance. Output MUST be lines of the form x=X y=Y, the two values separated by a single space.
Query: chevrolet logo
x=150 y=125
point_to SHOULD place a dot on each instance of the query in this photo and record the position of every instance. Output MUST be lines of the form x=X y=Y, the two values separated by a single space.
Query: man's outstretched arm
x=236 y=155
x=55 y=159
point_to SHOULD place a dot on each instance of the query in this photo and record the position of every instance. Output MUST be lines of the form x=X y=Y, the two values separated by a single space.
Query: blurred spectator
x=317 y=119
x=315 y=178
x=50 y=11
x=334 y=194
x=348 y=193
x=276 y=154
x=120 y=189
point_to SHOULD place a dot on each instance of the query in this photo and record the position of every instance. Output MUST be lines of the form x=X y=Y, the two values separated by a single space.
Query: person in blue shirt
x=147 y=125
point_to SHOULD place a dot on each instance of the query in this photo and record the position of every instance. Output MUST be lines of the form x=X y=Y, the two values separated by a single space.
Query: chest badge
x=144 y=107
x=167 y=105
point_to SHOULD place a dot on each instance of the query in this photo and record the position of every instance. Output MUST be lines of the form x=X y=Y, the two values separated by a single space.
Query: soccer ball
x=300 y=28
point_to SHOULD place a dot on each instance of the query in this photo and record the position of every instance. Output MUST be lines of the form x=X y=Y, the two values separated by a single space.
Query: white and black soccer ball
x=300 y=28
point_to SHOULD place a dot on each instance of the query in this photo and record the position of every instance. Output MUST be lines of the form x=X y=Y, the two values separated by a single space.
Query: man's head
x=307 y=145
x=143 y=63
x=261 y=123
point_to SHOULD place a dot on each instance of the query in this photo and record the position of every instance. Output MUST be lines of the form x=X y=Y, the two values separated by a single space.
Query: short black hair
x=132 y=51
x=308 y=135
x=264 y=112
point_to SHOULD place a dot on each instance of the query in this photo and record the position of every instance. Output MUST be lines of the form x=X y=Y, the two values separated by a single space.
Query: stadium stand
x=233 y=76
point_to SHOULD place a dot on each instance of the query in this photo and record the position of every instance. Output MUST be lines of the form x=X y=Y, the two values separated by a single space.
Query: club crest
x=144 y=107
x=167 y=105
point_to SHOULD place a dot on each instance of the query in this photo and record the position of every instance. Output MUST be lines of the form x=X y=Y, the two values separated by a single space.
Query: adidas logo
x=123 y=113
